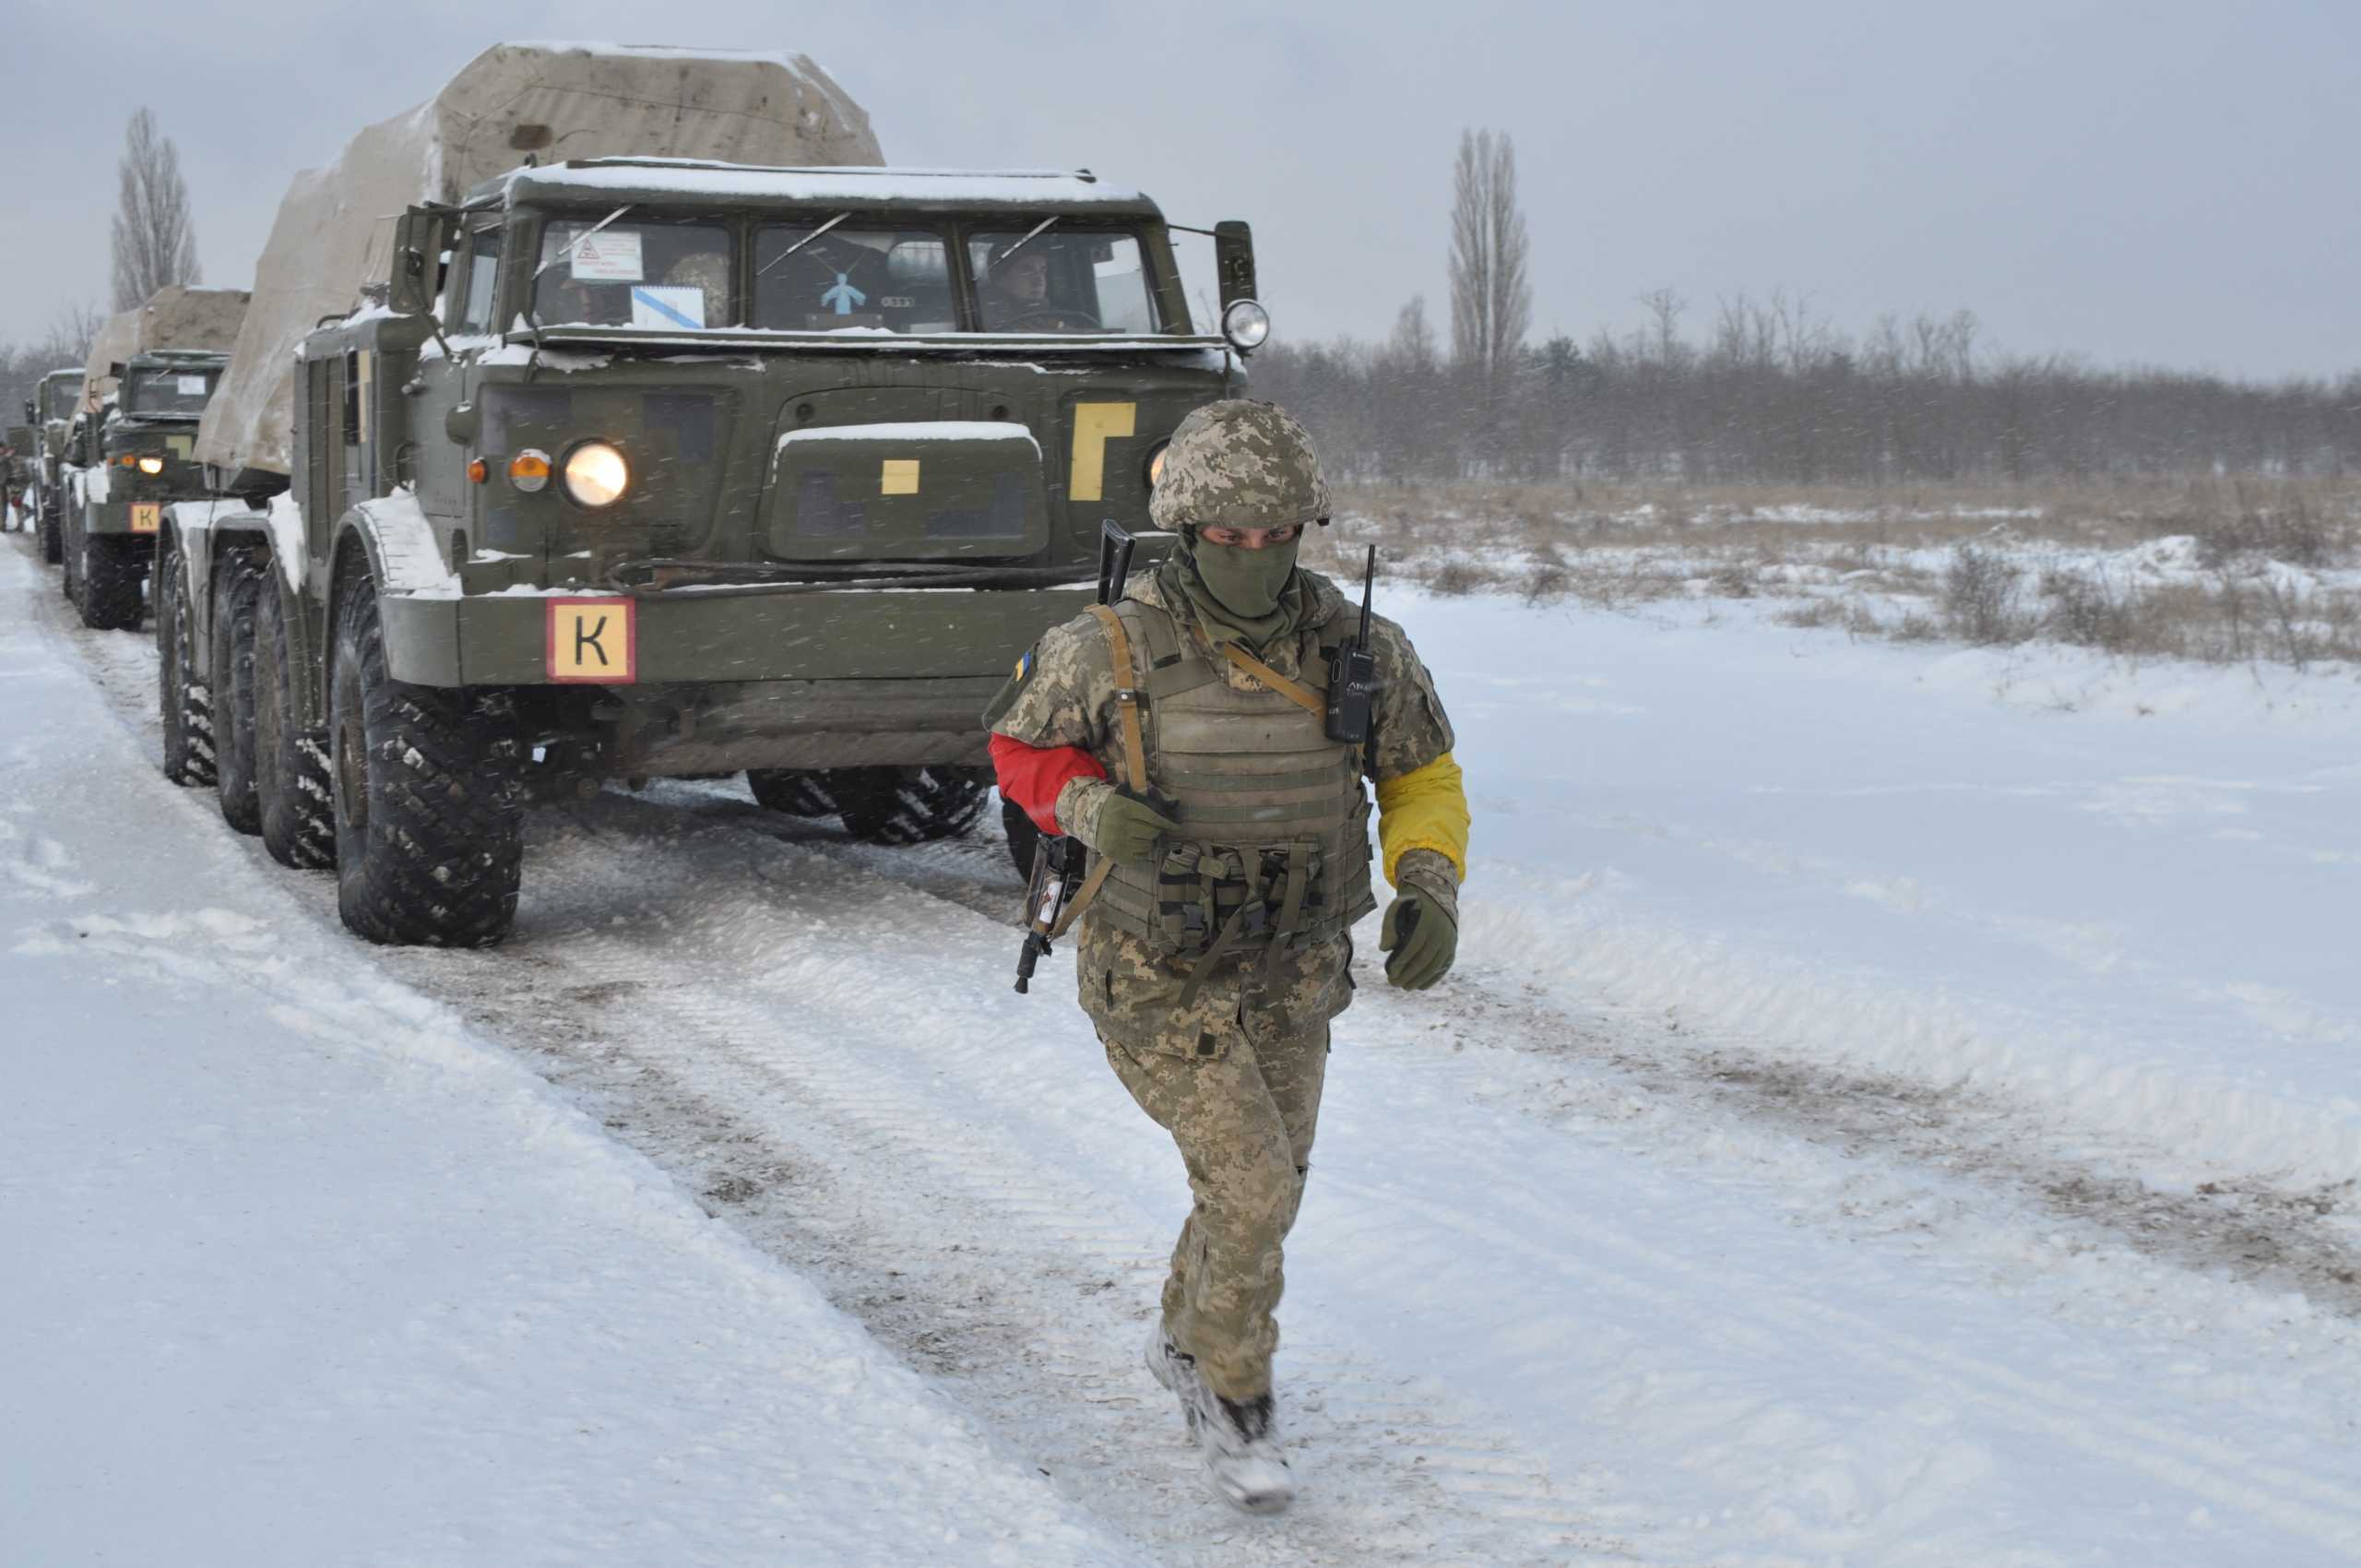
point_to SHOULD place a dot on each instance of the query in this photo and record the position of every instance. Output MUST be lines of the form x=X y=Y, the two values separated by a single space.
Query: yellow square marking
x=1095 y=424
x=594 y=640
x=146 y=515
x=180 y=445
x=898 y=476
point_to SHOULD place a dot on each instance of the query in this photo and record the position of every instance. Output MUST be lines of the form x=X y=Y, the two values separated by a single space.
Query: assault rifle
x=1057 y=858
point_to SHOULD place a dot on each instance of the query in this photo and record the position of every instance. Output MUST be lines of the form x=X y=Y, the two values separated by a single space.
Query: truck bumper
x=140 y=519
x=700 y=683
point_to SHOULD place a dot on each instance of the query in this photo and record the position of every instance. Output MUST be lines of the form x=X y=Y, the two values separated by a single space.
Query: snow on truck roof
x=673 y=178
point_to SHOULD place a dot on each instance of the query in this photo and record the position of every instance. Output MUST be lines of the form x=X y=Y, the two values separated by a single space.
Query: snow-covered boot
x=1243 y=1460
x=1163 y=1358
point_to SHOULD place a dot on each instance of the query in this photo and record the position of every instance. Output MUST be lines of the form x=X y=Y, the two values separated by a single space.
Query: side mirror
x=1234 y=261
x=417 y=243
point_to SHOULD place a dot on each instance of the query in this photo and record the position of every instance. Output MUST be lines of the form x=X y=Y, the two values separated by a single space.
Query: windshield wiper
x=574 y=245
x=1030 y=235
x=764 y=270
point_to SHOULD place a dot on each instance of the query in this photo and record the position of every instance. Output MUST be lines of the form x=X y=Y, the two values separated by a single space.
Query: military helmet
x=1244 y=464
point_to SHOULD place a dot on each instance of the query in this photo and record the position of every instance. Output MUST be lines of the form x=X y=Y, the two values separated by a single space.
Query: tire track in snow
x=1343 y=1407
x=1019 y=1195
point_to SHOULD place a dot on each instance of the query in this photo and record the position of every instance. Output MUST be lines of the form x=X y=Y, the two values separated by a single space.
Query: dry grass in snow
x=2213 y=569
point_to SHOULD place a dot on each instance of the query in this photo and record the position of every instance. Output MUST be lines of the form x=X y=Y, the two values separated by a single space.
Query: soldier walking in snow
x=1182 y=735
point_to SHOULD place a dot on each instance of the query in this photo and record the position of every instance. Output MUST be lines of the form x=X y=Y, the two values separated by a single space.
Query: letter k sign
x=593 y=641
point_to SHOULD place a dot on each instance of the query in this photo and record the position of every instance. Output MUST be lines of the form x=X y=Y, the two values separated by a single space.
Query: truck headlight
x=1246 y=324
x=151 y=465
x=596 y=474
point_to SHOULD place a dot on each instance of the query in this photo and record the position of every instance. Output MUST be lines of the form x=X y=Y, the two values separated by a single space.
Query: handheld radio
x=1353 y=684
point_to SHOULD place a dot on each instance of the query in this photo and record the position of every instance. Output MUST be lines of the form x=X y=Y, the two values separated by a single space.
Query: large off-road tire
x=108 y=582
x=182 y=702
x=797 y=791
x=69 y=554
x=291 y=762
x=236 y=588
x=1023 y=836
x=429 y=813
x=887 y=805
x=53 y=536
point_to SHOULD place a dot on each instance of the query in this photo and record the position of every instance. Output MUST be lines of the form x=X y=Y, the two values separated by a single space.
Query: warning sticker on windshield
x=611 y=255
x=657 y=304
x=191 y=386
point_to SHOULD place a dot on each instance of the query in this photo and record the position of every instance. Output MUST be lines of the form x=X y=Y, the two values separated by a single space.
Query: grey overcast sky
x=2164 y=182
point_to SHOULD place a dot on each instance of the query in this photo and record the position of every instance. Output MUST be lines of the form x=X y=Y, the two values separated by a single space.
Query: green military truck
x=49 y=410
x=133 y=457
x=637 y=466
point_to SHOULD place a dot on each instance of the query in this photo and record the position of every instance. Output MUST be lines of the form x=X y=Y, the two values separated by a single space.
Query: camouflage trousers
x=1243 y=1122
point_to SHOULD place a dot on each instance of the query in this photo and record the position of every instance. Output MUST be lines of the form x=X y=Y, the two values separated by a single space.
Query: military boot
x=1240 y=1444
x=1174 y=1371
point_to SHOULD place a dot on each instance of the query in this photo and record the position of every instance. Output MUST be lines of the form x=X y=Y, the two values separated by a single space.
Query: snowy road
x=1835 y=1147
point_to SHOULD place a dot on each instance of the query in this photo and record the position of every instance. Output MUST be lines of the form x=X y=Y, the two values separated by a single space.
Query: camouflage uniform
x=1229 y=1060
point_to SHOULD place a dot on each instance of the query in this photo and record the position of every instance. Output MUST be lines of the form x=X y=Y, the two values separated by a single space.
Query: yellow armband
x=1423 y=810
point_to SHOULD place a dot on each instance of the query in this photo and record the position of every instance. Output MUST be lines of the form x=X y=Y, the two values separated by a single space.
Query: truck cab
x=704 y=467
x=135 y=458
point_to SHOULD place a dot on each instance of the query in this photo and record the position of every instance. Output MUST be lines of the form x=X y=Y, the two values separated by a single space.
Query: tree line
x=1772 y=395
x=1769 y=391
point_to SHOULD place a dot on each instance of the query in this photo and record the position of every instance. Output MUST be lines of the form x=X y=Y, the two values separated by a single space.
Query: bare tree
x=71 y=333
x=1491 y=299
x=155 y=237
x=1414 y=341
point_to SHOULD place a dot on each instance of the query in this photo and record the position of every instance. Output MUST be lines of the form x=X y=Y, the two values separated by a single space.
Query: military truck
x=678 y=468
x=50 y=412
x=135 y=456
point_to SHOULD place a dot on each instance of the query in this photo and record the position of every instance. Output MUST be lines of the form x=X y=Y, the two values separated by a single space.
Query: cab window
x=670 y=277
x=1077 y=280
x=483 y=273
x=168 y=391
x=818 y=278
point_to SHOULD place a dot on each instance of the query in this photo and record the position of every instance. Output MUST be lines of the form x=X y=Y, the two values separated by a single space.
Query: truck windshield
x=63 y=397
x=837 y=278
x=167 y=391
x=674 y=277
x=1061 y=281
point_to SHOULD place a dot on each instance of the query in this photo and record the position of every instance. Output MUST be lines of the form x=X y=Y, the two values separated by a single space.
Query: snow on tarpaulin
x=334 y=225
x=173 y=317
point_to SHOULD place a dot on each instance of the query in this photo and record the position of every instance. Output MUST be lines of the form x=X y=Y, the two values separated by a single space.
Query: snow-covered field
x=1899 y=1105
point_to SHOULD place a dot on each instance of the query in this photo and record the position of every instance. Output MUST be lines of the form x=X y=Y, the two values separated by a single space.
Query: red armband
x=1032 y=776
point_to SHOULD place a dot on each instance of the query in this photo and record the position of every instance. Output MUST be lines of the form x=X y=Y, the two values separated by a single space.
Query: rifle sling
x=1127 y=704
x=1295 y=692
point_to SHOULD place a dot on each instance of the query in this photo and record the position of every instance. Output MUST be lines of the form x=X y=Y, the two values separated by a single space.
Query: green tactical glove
x=1125 y=828
x=1421 y=931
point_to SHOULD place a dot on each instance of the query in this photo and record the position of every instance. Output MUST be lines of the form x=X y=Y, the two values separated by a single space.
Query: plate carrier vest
x=1273 y=849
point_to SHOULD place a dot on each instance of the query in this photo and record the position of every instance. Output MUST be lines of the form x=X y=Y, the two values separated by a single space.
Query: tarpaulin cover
x=556 y=101
x=173 y=317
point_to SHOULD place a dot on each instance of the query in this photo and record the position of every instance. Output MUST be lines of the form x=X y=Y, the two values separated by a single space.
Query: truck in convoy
x=50 y=413
x=135 y=455
x=130 y=451
x=628 y=467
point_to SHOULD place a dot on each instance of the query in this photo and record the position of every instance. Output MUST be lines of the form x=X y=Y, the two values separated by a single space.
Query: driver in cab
x=1015 y=296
